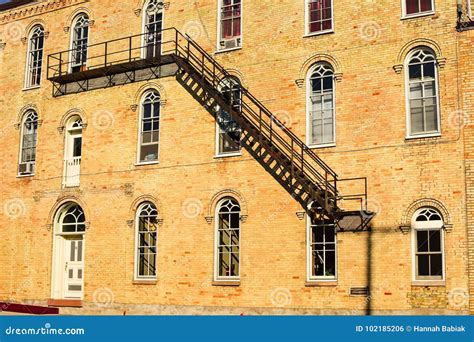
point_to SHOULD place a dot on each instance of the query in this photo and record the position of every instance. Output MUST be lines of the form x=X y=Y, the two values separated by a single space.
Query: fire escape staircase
x=308 y=179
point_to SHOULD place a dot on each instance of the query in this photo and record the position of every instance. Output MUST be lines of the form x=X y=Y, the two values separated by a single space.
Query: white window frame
x=420 y=226
x=416 y=15
x=29 y=60
x=307 y=32
x=138 y=277
x=140 y=125
x=217 y=277
x=144 y=23
x=309 y=126
x=470 y=10
x=309 y=258
x=22 y=134
x=219 y=48
x=409 y=134
x=72 y=39
x=220 y=154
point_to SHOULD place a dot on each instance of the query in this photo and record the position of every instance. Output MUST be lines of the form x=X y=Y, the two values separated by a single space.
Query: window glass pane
x=436 y=266
x=149 y=153
x=431 y=117
x=429 y=70
x=425 y=5
x=423 y=265
x=416 y=91
x=412 y=6
x=415 y=72
x=435 y=240
x=416 y=117
x=330 y=264
x=422 y=240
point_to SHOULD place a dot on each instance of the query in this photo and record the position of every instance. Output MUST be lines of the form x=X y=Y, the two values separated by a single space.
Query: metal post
x=130 y=49
x=106 y=52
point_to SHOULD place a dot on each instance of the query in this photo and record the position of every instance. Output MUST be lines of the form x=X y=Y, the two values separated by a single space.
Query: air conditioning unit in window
x=230 y=43
x=26 y=168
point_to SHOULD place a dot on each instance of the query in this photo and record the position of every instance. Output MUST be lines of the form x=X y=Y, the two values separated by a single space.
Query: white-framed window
x=229 y=24
x=227 y=240
x=413 y=8
x=470 y=9
x=319 y=16
x=29 y=136
x=322 y=251
x=149 y=133
x=35 y=57
x=152 y=28
x=80 y=42
x=146 y=241
x=428 y=245
x=423 y=118
x=229 y=133
x=73 y=152
x=321 y=113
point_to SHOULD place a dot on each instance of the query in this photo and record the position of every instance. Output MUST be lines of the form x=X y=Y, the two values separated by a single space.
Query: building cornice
x=36 y=8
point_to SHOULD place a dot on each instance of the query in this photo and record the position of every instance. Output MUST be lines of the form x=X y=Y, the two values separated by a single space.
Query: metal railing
x=134 y=52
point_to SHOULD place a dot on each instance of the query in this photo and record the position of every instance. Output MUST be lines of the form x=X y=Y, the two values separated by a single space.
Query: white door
x=72 y=163
x=73 y=268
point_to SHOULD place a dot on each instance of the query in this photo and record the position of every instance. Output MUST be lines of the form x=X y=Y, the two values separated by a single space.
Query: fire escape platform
x=112 y=69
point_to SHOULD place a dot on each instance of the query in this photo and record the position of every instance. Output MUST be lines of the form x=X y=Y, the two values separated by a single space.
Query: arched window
x=428 y=240
x=321 y=106
x=229 y=132
x=80 y=41
x=322 y=250
x=153 y=26
x=319 y=16
x=29 y=133
x=72 y=220
x=35 y=57
x=73 y=152
x=422 y=93
x=228 y=240
x=149 y=135
x=146 y=241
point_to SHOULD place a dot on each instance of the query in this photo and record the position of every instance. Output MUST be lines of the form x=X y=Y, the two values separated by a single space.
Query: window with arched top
x=146 y=238
x=80 y=42
x=229 y=133
x=228 y=240
x=422 y=93
x=428 y=245
x=153 y=28
x=73 y=152
x=72 y=220
x=321 y=106
x=29 y=136
x=149 y=133
x=35 y=57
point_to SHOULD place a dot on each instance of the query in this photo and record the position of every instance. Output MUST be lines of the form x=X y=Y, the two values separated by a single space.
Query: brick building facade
x=121 y=194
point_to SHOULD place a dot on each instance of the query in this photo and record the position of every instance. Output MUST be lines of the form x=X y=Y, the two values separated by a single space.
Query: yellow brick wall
x=371 y=142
